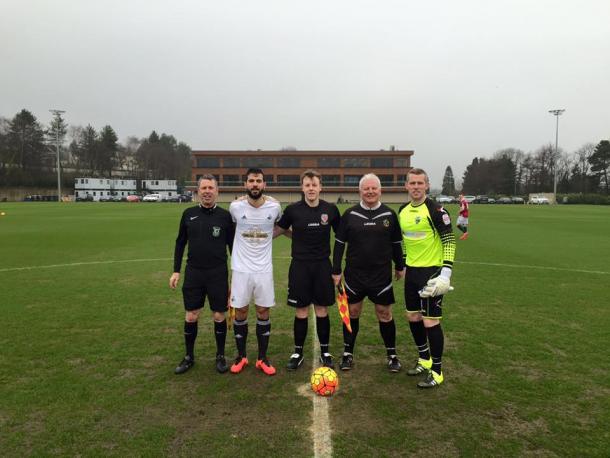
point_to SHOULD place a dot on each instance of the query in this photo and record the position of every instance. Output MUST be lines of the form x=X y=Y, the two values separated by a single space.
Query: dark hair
x=207 y=176
x=255 y=171
x=417 y=172
x=310 y=173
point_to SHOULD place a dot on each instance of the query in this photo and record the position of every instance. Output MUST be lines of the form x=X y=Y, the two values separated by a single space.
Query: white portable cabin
x=166 y=188
x=103 y=187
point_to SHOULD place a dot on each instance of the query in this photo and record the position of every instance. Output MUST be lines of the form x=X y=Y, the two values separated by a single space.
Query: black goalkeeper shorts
x=415 y=280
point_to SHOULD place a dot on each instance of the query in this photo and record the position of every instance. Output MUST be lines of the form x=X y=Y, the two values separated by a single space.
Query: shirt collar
x=371 y=208
x=206 y=209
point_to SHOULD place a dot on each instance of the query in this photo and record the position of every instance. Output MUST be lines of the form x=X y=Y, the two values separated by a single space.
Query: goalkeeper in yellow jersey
x=429 y=246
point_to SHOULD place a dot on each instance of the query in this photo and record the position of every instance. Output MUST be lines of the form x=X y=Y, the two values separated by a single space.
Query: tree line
x=28 y=153
x=511 y=171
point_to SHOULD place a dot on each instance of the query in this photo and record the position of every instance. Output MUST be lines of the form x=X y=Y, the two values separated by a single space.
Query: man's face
x=208 y=192
x=370 y=192
x=416 y=185
x=255 y=185
x=311 y=188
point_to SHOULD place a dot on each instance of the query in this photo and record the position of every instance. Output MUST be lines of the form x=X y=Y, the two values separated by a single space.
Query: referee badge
x=324 y=218
x=386 y=222
x=215 y=231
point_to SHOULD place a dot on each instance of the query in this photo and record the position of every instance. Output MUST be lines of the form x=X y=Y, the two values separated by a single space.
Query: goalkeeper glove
x=438 y=286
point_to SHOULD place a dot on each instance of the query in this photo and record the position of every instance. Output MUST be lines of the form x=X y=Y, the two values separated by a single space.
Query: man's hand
x=174 y=279
x=336 y=279
x=398 y=274
x=436 y=287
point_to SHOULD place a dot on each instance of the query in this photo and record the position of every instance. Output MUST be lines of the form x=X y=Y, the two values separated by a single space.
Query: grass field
x=89 y=343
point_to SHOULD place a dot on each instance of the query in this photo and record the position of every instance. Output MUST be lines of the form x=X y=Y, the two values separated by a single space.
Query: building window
x=381 y=162
x=329 y=162
x=230 y=180
x=288 y=162
x=259 y=162
x=288 y=180
x=229 y=162
x=401 y=179
x=351 y=180
x=386 y=180
x=207 y=162
x=401 y=162
x=331 y=180
x=356 y=162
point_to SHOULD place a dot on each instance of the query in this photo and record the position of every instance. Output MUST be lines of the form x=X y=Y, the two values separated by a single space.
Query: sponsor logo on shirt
x=370 y=224
x=313 y=224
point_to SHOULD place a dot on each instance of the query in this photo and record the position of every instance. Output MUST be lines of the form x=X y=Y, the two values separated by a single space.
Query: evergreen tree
x=448 y=182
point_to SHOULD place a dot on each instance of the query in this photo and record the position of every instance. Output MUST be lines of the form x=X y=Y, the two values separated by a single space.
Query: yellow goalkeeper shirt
x=428 y=239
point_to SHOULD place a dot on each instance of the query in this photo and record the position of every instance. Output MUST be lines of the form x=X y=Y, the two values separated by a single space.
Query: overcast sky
x=449 y=79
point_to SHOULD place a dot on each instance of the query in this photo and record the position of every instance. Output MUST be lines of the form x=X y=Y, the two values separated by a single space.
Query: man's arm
x=277 y=231
x=339 y=248
x=442 y=283
x=181 y=242
x=397 y=251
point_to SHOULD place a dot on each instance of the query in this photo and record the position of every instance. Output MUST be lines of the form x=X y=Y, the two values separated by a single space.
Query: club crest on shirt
x=215 y=231
x=324 y=218
x=386 y=222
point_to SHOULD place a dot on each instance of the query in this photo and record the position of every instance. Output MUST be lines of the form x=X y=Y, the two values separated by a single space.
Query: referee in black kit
x=208 y=230
x=310 y=275
x=372 y=234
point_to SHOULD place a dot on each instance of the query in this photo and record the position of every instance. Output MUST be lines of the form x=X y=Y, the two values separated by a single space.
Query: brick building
x=341 y=171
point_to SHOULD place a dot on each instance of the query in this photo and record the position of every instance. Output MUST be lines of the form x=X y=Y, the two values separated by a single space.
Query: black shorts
x=415 y=280
x=199 y=283
x=310 y=282
x=374 y=284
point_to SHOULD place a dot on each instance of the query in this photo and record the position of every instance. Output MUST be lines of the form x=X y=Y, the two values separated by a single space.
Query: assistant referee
x=209 y=231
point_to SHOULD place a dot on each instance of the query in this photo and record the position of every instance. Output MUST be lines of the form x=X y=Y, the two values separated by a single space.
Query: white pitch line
x=76 y=264
x=495 y=264
x=523 y=266
x=322 y=444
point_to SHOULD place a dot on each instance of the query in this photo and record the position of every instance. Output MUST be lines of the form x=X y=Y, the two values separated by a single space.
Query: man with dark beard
x=252 y=268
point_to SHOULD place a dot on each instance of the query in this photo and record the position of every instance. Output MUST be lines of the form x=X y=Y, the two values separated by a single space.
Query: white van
x=152 y=198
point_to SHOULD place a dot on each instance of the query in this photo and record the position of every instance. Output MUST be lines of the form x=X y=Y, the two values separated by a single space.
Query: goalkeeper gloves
x=437 y=286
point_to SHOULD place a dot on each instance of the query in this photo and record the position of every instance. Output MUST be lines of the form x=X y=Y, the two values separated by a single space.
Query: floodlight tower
x=57 y=113
x=557 y=114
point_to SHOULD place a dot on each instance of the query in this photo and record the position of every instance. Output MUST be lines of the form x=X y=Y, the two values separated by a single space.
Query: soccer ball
x=324 y=381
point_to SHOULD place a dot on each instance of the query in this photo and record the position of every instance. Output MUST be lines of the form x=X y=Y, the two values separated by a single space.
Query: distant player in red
x=462 y=221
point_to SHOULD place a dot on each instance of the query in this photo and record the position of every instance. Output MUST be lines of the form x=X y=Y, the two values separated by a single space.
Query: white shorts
x=461 y=221
x=247 y=286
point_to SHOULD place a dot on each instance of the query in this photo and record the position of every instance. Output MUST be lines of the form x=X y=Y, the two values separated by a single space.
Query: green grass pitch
x=88 y=347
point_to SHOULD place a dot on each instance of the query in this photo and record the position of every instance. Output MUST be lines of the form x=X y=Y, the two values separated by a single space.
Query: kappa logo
x=215 y=231
x=324 y=218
